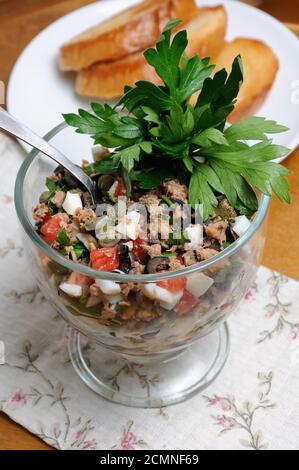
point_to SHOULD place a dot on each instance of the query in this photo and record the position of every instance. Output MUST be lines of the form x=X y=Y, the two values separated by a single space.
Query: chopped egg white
x=198 y=284
x=73 y=290
x=167 y=300
x=129 y=226
x=194 y=233
x=149 y=290
x=108 y=287
x=72 y=202
x=114 y=299
x=111 y=192
x=241 y=225
x=104 y=229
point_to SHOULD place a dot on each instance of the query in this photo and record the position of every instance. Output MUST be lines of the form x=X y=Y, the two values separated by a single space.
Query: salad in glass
x=173 y=241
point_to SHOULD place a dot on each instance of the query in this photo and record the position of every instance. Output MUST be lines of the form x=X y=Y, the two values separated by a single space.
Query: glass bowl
x=157 y=354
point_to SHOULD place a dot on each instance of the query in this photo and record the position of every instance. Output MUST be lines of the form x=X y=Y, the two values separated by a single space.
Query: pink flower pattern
x=129 y=440
x=278 y=310
x=226 y=422
x=90 y=445
x=241 y=417
x=294 y=334
x=17 y=398
x=252 y=293
x=224 y=403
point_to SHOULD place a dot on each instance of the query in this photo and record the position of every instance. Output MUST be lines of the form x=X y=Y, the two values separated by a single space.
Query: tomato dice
x=139 y=251
x=120 y=188
x=46 y=218
x=51 y=227
x=173 y=285
x=186 y=304
x=104 y=259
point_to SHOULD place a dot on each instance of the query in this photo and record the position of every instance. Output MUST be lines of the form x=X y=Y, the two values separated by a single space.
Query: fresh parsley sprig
x=159 y=135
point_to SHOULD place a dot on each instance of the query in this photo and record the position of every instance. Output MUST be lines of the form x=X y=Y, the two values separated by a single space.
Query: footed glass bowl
x=159 y=355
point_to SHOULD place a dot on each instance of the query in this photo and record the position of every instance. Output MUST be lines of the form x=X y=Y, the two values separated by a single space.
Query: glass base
x=149 y=382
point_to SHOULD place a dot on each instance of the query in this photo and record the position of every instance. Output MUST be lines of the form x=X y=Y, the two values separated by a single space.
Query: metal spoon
x=19 y=130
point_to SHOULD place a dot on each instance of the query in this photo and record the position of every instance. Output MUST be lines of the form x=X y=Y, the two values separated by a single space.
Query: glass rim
x=123 y=278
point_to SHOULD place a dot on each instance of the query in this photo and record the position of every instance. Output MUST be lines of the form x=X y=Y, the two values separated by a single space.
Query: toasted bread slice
x=206 y=32
x=260 y=69
x=107 y=80
x=129 y=31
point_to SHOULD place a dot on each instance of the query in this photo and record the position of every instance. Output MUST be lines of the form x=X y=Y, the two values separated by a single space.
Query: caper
x=70 y=181
x=157 y=264
x=90 y=225
x=107 y=243
x=105 y=232
x=105 y=182
x=44 y=197
x=87 y=199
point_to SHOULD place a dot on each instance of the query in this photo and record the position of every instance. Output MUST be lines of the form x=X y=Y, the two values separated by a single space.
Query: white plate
x=38 y=93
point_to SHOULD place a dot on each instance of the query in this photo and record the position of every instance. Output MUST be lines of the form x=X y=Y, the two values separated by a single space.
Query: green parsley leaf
x=188 y=162
x=216 y=101
x=87 y=169
x=152 y=179
x=209 y=136
x=202 y=183
x=128 y=156
x=177 y=241
x=167 y=200
x=102 y=129
x=129 y=129
x=103 y=111
x=147 y=147
x=53 y=188
x=193 y=74
x=179 y=125
x=64 y=252
x=105 y=167
x=51 y=185
x=79 y=249
x=146 y=94
x=151 y=115
x=62 y=237
x=253 y=128
x=166 y=57
x=162 y=126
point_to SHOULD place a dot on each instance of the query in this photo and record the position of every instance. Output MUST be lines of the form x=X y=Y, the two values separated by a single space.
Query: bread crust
x=260 y=68
x=107 y=80
x=132 y=30
x=206 y=32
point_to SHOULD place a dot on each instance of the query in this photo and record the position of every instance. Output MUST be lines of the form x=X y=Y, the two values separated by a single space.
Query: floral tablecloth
x=253 y=404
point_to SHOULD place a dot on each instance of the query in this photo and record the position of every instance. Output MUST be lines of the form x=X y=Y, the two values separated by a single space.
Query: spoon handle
x=19 y=130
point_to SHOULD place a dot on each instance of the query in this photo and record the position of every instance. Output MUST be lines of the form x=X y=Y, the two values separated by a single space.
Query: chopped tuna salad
x=66 y=219
x=144 y=240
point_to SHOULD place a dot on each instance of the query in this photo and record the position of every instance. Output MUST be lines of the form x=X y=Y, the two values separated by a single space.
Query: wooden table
x=20 y=21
